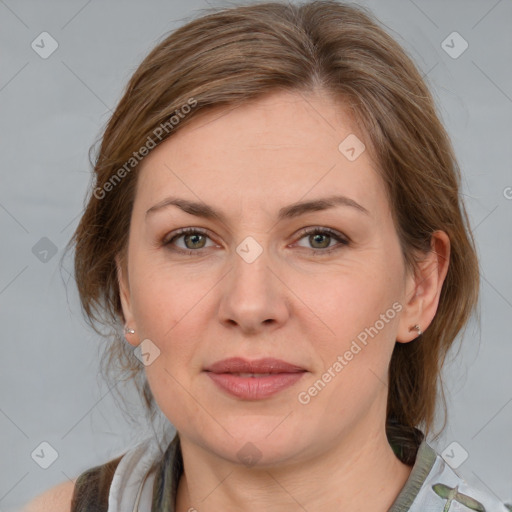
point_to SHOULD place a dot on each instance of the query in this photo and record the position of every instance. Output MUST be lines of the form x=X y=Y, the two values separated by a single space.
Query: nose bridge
x=251 y=264
x=251 y=294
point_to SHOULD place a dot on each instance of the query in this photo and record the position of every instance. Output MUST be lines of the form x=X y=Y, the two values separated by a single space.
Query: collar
x=409 y=445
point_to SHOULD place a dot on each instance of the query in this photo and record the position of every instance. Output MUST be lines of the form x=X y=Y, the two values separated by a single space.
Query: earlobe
x=124 y=295
x=426 y=285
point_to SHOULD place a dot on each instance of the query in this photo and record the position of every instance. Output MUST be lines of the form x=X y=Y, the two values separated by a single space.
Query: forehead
x=278 y=149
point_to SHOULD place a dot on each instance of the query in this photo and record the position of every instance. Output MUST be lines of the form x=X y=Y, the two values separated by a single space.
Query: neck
x=359 y=473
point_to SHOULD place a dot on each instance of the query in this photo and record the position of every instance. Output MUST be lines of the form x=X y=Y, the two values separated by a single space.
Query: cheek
x=345 y=301
x=361 y=309
x=172 y=309
x=173 y=396
x=162 y=294
x=169 y=310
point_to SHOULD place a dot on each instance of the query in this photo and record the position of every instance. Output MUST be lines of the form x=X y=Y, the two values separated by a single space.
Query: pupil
x=194 y=238
x=318 y=235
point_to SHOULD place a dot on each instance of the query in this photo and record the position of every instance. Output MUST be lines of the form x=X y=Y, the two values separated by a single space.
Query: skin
x=291 y=303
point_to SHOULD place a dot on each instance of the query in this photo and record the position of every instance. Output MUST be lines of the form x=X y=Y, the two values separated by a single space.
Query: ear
x=423 y=289
x=124 y=295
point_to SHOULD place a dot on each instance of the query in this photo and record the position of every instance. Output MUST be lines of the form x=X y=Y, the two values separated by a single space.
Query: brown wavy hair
x=228 y=57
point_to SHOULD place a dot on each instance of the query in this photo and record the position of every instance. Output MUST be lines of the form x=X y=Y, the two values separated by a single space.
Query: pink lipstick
x=254 y=380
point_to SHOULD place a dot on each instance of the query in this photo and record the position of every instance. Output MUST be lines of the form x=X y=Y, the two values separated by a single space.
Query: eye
x=195 y=237
x=195 y=240
x=322 y=237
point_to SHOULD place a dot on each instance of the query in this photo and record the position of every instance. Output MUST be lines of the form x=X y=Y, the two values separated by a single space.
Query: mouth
x=254 y=380
x=252 y=374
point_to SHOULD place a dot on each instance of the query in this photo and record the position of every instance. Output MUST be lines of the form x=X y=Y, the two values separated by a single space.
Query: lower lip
x=254 y=388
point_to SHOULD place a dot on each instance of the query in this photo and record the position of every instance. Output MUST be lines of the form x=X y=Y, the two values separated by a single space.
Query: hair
x=231 y=56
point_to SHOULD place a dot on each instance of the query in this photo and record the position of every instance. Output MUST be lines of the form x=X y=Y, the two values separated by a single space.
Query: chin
x=258 y=441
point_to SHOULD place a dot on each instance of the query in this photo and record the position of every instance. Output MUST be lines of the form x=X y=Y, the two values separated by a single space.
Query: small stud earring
x=417 y=328
x=127 y=330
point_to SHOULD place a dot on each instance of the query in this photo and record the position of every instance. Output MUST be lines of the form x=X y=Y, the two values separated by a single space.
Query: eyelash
x=305 y=232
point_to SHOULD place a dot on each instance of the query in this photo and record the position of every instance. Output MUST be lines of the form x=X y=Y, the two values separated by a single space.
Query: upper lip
x=264 y=365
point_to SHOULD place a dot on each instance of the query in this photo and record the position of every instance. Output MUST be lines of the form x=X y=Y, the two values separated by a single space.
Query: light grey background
x=52 y=110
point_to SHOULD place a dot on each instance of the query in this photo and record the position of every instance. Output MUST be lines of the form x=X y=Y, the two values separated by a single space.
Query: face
x=255 y=284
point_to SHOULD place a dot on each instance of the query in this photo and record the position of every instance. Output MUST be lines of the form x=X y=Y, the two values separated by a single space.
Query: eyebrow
x=287 y=212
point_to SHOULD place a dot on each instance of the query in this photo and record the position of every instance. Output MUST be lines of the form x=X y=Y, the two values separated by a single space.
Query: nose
x=253 y=295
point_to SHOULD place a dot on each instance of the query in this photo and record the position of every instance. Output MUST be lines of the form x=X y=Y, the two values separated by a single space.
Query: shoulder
x=115 y=485
x=445 y=486
x=90 y=488
x=56 y=499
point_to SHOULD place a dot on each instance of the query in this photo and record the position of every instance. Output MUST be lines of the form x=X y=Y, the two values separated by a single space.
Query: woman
x=276 y=226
